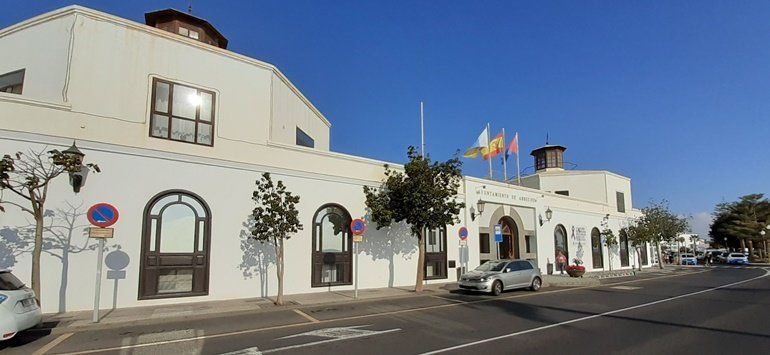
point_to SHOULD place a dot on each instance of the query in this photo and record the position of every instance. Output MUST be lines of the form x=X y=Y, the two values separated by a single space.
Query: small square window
x=12 y=82
x=182 y=113
x=303 y=139
x=194 y=34
x=184 y=32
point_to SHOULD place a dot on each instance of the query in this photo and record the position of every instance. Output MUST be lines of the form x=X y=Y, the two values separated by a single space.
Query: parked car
x=722 y=257
x=688 y=259
x=18 y=306
x=737 y=258
x=495 y=276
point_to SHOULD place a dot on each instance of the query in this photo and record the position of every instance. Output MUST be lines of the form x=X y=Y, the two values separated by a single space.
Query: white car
x=688 y=259
x=737 y=258
x=18 y=306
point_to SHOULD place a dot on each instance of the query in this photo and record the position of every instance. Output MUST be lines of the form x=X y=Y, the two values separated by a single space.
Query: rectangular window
x=303 y=139
x=484 y=243
x=182 y=113
x=562 y=192
x=12 y=82
x=621 y=199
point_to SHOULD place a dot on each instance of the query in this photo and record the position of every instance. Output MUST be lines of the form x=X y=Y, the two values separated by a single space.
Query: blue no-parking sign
x=102 y=215
x=498 y=233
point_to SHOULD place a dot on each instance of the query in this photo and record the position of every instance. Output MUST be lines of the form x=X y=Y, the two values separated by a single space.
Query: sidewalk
x=114 y=318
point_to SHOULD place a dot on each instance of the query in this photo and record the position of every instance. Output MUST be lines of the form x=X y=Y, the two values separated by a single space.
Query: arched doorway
x=560 y=242
x=175 y=246
x=624 y=259
x=596 y=248
x=509 y=247
x=332 y=247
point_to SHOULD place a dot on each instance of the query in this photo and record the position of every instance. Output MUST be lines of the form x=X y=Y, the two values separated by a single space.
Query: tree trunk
x=660 y=255
x=743 y=244
x=609 y=257
x=279 y=270
x=36 y=251
x=64 y=274
x=751 y=248
x=420 y=263
x=639 y=257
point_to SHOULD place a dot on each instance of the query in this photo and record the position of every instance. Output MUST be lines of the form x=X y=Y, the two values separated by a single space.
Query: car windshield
x=736 y=255
x=8 y=282
x=687 y=255
x=494 y=265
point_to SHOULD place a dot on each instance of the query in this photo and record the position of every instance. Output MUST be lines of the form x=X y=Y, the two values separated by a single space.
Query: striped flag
x=513 y=148
x=481 y=143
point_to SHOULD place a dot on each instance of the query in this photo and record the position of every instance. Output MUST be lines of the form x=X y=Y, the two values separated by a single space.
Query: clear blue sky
x=674 y=94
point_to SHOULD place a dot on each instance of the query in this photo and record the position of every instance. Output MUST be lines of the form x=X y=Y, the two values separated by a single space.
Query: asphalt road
x=704 y=311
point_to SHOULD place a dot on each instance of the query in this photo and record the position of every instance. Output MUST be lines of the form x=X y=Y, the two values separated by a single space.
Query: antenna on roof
x=546 y=138
x=189 y=6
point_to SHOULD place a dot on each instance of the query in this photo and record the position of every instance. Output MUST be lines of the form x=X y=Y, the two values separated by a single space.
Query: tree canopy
x=740 y=220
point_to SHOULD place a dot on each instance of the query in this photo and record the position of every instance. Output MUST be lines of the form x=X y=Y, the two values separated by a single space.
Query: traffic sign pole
x=355 y=293
x=97 y=292
x=101 y=215
x=357 y=227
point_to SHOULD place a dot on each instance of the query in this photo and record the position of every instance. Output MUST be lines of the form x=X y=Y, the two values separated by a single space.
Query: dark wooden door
x=332 y=253
x=175 y=247
x=435 y=254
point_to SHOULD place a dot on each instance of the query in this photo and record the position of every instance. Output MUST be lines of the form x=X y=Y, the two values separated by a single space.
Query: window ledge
x=20 y=99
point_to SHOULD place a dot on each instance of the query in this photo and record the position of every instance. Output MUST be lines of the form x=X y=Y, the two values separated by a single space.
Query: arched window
x=560 y=242
x=623 y=248
x=435 y=254
x=596 y=248
x=175 y=246
x=332 y=247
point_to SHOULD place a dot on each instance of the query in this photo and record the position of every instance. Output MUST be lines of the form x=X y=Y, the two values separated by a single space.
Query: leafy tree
x=27 y=176
x=637 y=237
x=275 y=219
x=742 y=221
x=423 y=196
x=657 y=224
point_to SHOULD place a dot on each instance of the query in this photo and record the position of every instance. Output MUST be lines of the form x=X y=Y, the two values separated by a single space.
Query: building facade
x=181 y=128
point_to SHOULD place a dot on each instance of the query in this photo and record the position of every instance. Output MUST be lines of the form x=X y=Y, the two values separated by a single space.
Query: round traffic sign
x=357 y=226
x=463 y=233
x=102 y=215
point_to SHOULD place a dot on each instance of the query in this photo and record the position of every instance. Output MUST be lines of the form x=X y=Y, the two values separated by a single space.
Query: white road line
x=532 y=330
x=53 y=343
x=448 y=299
x=327 y=341
x=306 y=316
x=370 y=315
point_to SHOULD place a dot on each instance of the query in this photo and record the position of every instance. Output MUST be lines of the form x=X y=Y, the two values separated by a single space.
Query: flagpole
x=518 y=170
x=422 y=131
x=505 y=166
x=489 y=140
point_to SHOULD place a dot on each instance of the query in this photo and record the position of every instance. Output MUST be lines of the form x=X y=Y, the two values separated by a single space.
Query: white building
x=181 y=128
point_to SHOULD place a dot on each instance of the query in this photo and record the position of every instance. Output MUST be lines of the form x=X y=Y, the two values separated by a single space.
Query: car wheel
x=497 y=288
x=536 y=284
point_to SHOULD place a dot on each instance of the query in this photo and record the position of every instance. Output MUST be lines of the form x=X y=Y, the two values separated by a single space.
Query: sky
x=673 y=94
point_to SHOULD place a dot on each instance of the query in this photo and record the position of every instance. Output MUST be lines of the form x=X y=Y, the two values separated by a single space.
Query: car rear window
x=8 y=282
x=737 y=255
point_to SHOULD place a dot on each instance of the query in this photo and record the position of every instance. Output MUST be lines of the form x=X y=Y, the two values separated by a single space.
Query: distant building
x=182 y=127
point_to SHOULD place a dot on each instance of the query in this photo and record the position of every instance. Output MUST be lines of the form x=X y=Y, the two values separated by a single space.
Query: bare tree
x=27 y=176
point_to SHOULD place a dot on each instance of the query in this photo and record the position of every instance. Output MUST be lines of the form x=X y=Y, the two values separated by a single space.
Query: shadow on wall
x=257 y=257
x=64 y=233
x=387 y=243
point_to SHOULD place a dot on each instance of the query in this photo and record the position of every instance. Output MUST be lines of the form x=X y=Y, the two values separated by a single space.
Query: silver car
x=494 y=276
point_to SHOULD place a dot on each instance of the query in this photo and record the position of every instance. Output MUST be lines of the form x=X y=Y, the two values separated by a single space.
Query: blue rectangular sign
x=498 y=233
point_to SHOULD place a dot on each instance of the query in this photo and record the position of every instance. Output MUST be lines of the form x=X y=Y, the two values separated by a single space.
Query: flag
x=481 y=142
x=513 y=148
x=496 y=146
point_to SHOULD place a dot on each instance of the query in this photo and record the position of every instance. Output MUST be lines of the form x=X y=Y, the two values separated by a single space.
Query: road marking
x=448 y=299
x=53 y=343
x=581 y=319
x=626 y=287
x=307 y=316
x=249 y=331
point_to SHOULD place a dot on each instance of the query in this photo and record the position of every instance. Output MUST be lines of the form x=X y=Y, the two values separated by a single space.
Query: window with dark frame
x=182 y=113
x=528 y=243
x=621 y=199
x=13 y=82
x=303 y=139
x=562 y=192
x=484 y=243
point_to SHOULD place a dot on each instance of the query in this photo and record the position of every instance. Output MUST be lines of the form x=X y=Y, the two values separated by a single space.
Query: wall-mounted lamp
x=479 y=208
x=548 y=214
x=76 y=170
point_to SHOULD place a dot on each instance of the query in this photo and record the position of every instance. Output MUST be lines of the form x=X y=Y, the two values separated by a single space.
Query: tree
x=610 y=241
x=742 y=221
x=423 y=196
x=657 y=224
x=27 y=176
x=275 y=219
